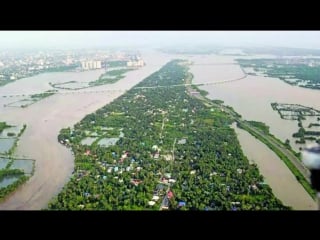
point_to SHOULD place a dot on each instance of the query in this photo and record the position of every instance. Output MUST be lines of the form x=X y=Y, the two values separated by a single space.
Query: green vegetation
x=12 y=187
x=3 y=125
x=294 y=111
x=284 y=158
x=12 y=150
x=110 y=77
x=171 y=142
x=305 y=135
x=299 y=73
x=203 y=92
x=260 y=125
x=299 y=113
x=10 y=173
x=40 y=96
x=7 y=172
x=265 y=130
x=217 y=101
x=313 y=125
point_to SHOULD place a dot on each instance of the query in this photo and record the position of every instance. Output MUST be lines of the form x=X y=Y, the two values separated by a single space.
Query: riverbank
x=239 y=95
x=283 y=183
x=54 y=162
x=170 y=137
x=252 y=96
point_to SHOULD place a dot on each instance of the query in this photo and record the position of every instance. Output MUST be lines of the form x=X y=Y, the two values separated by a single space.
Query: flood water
x=3 y=163
x=14 y=129
x=277 y=175
x=54 y=162
x=6 y=181
x=252 y=97
x=23 y=164
x=6 y=144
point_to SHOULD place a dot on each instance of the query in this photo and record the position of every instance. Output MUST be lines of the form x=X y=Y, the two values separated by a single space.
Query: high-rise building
x=88 y=65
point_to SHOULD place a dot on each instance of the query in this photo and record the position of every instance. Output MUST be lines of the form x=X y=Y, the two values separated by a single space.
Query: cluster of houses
x=163 y=190
x=161 y=193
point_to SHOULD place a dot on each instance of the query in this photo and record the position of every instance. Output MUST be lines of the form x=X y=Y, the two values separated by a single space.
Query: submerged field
x=308 y=120
x=13 y=172
x=300 y=72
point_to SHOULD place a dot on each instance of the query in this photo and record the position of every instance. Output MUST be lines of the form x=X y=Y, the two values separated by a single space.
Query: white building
x=138 y=63
x=88 y=65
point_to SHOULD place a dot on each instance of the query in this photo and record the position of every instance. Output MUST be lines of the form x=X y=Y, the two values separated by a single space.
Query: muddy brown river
x=54 y=162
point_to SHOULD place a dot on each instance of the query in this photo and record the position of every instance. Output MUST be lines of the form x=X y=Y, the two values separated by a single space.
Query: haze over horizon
x=96 y=39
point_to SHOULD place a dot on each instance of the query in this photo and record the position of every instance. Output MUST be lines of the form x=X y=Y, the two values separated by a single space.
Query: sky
x=91 y=39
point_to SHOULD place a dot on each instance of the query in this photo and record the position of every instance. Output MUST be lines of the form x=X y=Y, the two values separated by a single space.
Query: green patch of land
x=40 y=96
x=304 y=73
x=172 y=143
x=279 y=149
x=110 y=77
x=260 y=125
x=3 y=125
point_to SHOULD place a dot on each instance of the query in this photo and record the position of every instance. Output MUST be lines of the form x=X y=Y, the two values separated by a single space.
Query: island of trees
x=163 y=149
x=114 y=74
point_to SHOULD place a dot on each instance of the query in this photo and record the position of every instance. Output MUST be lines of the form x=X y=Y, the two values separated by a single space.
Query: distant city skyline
x=97 y=39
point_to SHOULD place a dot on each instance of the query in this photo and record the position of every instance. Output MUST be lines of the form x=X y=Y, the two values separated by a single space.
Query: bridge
x=8 y=95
